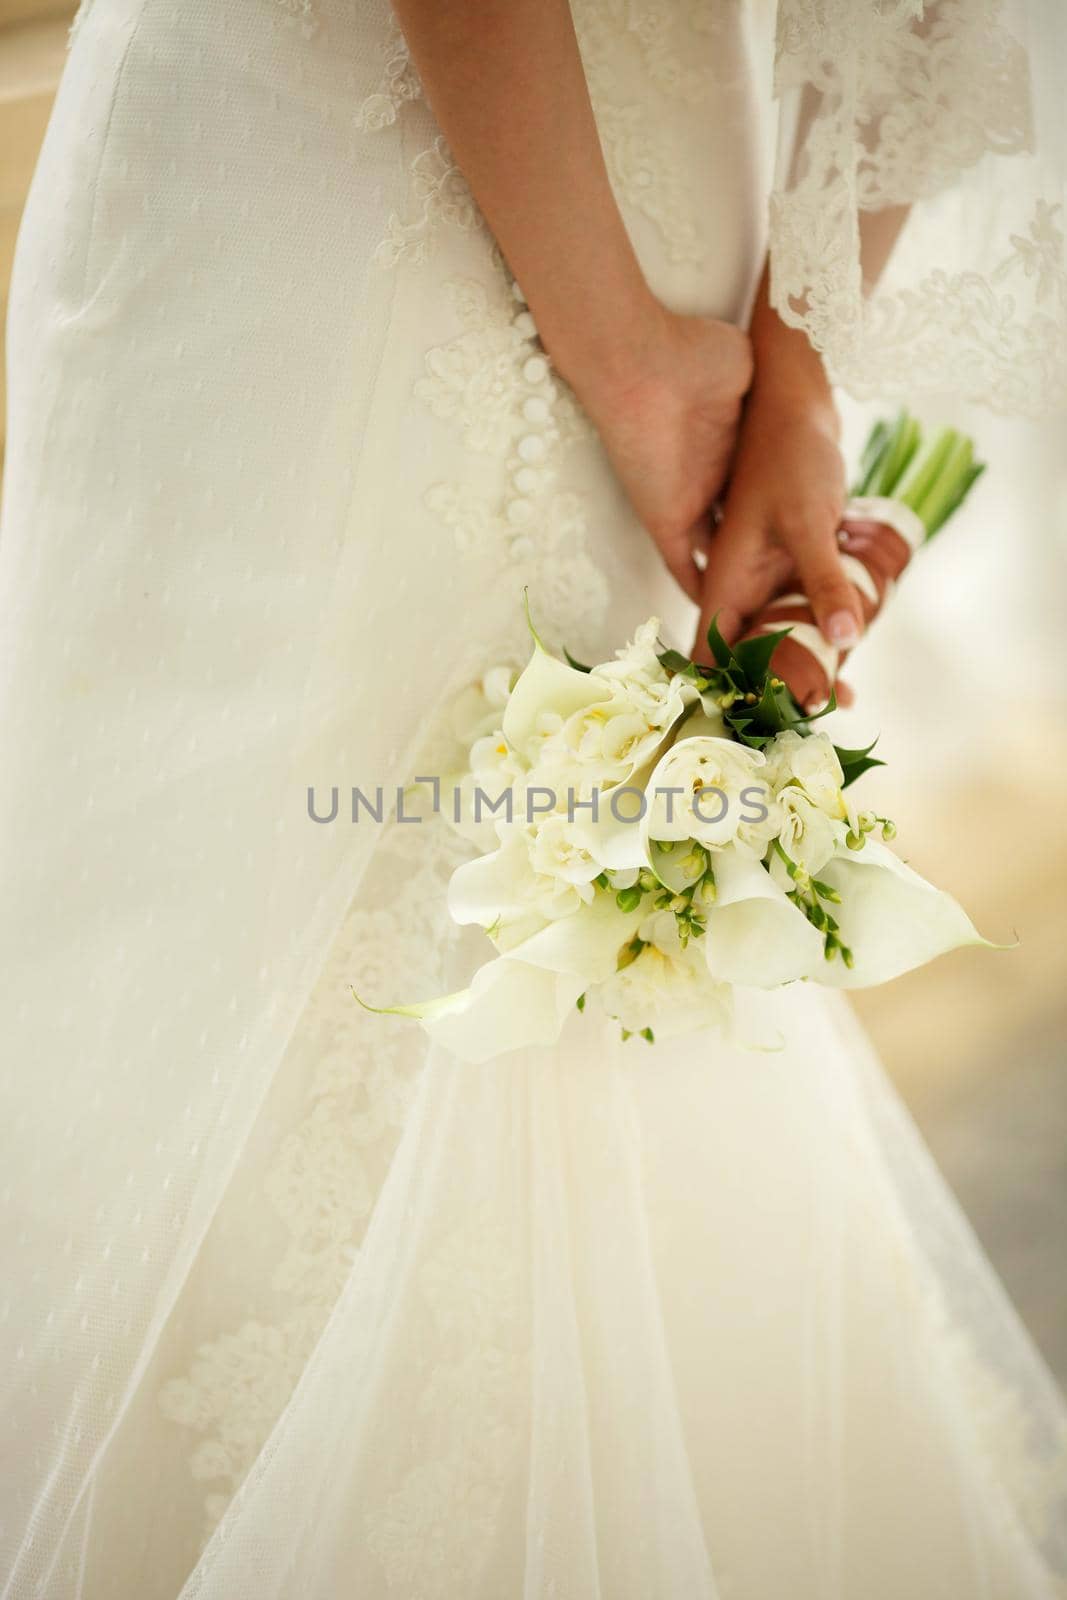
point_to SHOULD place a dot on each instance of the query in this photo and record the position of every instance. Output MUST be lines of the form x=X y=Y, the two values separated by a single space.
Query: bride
x=326 y=340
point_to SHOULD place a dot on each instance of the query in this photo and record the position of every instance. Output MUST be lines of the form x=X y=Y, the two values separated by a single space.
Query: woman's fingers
x=678 y=555
x=744 y=571
x=838 y=609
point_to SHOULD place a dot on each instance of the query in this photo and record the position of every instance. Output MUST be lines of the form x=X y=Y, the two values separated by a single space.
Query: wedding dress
x=294 y=1306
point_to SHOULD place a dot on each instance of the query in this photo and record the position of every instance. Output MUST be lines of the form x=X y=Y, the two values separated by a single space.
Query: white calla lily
x=891 y=919
x=510 y=1005
x=584 y=946
x=547 y=689
x=755 y=935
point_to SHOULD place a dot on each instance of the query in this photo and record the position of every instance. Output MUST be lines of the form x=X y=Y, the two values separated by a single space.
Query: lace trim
x=398 y=86
x=965 y=329
x=893 y=107
x=442 y=197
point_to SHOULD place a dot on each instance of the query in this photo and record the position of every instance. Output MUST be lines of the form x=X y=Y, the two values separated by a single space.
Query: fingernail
x=841 y=630
x=816 y=703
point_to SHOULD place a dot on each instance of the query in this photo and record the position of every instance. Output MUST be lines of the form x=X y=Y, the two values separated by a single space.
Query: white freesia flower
x=597 y=747
x=558 y=855
x=807 y=834
x=812 y=762
x=640 y=680
x=696 y=790
x=495 y=772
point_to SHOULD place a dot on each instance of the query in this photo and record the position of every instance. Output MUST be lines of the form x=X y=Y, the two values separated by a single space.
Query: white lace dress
x=292 y=1306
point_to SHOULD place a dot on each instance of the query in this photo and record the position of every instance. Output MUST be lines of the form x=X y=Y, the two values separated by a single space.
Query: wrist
x=790 y=378
x=611 y=349
x=792 y=403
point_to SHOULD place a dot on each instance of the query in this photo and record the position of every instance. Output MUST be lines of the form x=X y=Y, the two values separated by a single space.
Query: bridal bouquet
x=664 y=839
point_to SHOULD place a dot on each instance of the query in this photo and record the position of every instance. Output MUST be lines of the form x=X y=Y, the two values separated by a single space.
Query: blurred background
x=963 y=680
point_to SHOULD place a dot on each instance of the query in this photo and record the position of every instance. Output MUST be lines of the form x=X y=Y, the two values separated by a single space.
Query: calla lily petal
x=491 y=887
x=510 y=1005
x=548 y=685
x=586 y=945
x=756 y=937
x=890 y=918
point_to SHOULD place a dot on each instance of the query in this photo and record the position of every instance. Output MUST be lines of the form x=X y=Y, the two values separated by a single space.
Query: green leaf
x=724 y=656
x=754 y=655
x=579 y=666
x=674 y=661
x=858 y=768
x=846 y=755
x=854 y=763
x=831 y=705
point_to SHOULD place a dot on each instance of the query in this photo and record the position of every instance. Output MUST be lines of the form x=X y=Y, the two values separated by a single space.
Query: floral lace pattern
x=399 y=83
x=437 y=1519
x=657 y=41
x=495 y=386
x=893 y=108
x=324 y=1178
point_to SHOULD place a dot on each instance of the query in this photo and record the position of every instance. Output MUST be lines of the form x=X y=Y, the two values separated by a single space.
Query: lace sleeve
x=945 y=118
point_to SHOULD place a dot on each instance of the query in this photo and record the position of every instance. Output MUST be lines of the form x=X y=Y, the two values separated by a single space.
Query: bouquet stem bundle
x=904 y=494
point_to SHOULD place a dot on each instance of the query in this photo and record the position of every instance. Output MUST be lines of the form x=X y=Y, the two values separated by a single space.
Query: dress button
x=527 y=481
x=519 y=511
x=535 y=409
x=525 y=325
x=535 y=370
x=517 y=292
x=522 y=548
x=531 y=447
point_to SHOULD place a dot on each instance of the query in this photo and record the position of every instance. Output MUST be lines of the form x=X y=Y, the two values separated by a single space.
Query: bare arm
x=506 y=83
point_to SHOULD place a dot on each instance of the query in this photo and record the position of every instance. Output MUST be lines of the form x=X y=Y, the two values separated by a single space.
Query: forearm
x=506 y=83
x=789 y=371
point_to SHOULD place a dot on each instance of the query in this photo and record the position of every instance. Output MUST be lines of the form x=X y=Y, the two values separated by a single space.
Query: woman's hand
x=785 y=500
x=669 y=424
